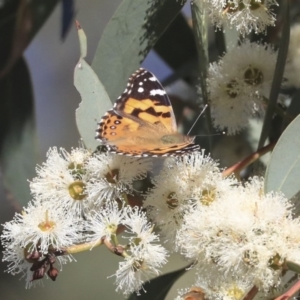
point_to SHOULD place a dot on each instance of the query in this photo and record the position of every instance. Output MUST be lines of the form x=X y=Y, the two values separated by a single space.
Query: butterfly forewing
x=146 y=99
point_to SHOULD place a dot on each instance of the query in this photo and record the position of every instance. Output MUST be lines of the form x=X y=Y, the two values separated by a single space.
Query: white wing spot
x=140 y=89
x=141 y=83
x=152 y=78
x=157 y=92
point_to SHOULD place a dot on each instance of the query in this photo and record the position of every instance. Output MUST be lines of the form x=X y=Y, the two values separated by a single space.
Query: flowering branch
x=83 y=247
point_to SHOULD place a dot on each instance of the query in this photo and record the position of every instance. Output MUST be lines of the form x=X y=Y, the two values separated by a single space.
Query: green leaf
x=127 y=39
x=158 y=288
x=19 y=22
x=17 y=134
x=200 y=33
x=283 y=171
x=278 y=74
x=95 y=100
x=178 y=33
x=293 y=266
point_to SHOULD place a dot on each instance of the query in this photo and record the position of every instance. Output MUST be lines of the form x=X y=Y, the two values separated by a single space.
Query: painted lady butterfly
x=142 y=122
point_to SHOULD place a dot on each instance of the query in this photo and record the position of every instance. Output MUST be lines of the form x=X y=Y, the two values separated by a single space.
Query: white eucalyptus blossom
x=194 y=180
x=144 y=256
x=216 y=285
x=239 y=85
x=244 y=15
x=112 y=175
x=36 y=239
x=62 y=180
x=41 y=227
x=223 y=286
x=104 y=223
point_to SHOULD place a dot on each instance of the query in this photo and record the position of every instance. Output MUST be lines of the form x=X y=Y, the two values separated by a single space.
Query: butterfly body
x=142 y=121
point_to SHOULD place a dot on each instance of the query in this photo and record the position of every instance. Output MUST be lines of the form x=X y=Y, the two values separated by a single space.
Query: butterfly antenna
x=203 y=110
x=220 y=133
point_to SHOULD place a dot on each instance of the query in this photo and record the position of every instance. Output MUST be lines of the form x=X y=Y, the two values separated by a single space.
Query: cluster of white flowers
x=78 y=181
x=80 y=198
x=244 y=15
x=242 y=239
x=180 y=185
x=236 y=236
x=239 y=85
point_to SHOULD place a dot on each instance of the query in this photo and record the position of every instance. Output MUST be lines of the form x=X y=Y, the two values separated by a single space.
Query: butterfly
x=142 y=122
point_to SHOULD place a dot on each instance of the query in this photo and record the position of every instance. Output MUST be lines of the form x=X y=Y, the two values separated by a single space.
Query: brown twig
x=251 y=294
x=293 y=290
x=248 y=160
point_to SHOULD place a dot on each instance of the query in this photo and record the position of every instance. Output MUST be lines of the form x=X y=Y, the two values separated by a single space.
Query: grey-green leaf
x=127 y=39
x=95 y=101
x=158 y=288
x=19 y=23
x=200 y=33
x=283 y=171
x=18 y=153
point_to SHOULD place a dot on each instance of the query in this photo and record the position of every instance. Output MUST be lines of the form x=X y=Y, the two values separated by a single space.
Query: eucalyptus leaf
x=19 y=22
x=178 y=33
x=158 y=288
x=128 y=37
x=283 y=171
x=95 y=100
x=200 y=33
x=18 y=153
